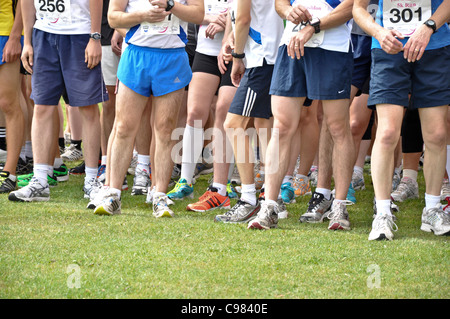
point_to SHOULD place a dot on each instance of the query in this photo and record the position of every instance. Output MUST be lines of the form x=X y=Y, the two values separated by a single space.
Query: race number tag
x=170 y=25
x=317 y=9
x=216 y=6
x=405 y=15
x=53 y=12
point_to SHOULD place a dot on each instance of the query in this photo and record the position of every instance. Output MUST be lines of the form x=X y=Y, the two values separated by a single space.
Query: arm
x=28 y=17
x=93 y=52
x=116 y=41
x=118 y=18
x=387 y=38
x=242 y=28
x=295 y=14
x=415 y=47
x=193 y=12
x=13 y=47
x=227 y=45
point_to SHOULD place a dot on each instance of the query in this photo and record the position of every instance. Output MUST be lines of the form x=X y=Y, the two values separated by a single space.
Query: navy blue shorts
x=252 y=97
x=393 y=78
x=319 y=75
x=58 y=65
x=361 y=59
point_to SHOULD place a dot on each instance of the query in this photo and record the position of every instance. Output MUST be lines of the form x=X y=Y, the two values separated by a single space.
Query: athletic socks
x=248 y=194
x=192 y=150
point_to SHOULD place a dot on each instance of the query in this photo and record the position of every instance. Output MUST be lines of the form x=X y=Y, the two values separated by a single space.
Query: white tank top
x=63 y=16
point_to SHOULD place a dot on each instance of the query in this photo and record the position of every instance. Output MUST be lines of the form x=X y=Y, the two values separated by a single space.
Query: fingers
x=27 y=61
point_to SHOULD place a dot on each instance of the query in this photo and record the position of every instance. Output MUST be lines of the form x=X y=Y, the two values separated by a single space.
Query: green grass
x=135 y=255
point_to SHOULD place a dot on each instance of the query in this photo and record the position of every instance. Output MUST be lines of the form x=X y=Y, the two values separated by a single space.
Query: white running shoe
x=408 y=188
x=436 y=220
x=141 y=182
x=110 y=205
x=72 y=154
x=33 y=192
x=91 y=188
x=383 y=227
x=161 y=207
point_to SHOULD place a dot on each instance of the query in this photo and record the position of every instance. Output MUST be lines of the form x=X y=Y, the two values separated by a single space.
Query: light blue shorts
x=154 y=71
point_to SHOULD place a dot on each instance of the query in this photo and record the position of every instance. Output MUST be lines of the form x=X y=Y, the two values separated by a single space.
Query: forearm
x=193 y=12
x=28 y=12
x=96 y=7
x=340 y=15
x=17 y=28
x=242 y=27
x=363 y=18
x=442 y=14
x=282 y=7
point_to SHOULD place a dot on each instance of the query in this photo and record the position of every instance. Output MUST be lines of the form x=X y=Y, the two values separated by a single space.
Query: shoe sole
x=138 y=191
x=338 y=226
x=62 y=178
x=14 y=198
x=204 y=172
x=190 y=196
x=235 y=222
x=163 y=214
x=382 y=236
x=101 y=211
x=430 y=229
x=256 y=225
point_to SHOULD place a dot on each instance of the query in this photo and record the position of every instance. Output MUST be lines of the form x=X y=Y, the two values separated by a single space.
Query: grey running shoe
x=267 y=217
x=6 y=184
x=110 y=205
x=141 y=182
x=240 y=213
x=339 y=217
x=317 y=210
x=33 y=192
x=435 y=220
x=383 y=227
x=396 y=180
x=445 y=189
x=91 y=188
x=98 y=199
x=408 y=188
x=72 y=153
x=358 y=181
x=161 y=207
x=282 y=210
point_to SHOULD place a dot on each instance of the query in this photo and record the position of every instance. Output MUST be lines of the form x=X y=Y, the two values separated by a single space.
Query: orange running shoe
x=210 y=200
x=302 y=187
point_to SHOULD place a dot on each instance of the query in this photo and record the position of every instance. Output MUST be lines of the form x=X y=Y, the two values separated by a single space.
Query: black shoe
x=78 y=170
x=24 y=167
x=6 y=185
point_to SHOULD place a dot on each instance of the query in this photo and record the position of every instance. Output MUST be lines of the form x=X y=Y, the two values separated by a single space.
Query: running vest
x=206 y=45
x=406 y=15
x=63 y=16
x=266 y=29
x=7 y=8
x=168 y=34
x=335 y=39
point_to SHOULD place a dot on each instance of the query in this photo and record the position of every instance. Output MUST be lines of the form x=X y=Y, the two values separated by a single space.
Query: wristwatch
x=431 y=24
x=96 y=36
x=315 y=23
x=237 y=55
x=170 y=5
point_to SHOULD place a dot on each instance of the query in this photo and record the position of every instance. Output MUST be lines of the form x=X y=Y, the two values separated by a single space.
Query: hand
x=156 y=14
x=12 y=50
x=415 y=47
x=298 y=14
x=296 y=46
x=159 y=3
x=116 y=43
x=93 y=53
x=388 y=40
x=27 y=58
x=237 y=71
x=212 y=29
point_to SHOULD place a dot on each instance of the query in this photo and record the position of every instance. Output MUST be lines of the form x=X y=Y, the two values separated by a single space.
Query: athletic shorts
x=206 y=64
x=226 y=78
x=3 y=40
x=361 y=60
x=252 y=97
x=393 y=78
x=58 y=64
x=110 y=63
x=153 y=71
x=319 y=75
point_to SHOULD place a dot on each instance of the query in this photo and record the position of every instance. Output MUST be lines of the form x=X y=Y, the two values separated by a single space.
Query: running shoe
x=242 y=212
x=72 y=153
x=24 y=180
x=181 y=190
x=445 y=189
x=235 y=177
x=358 y=181
x=24 y=167
x=407 y=189
x=232 y=193
x=133 y=164
x=91 y=188
x=383 y=227
x=266 y=218
x=110 y=205
x=210 y=200
x=33 y=192
x=161 y=207
x=101 y=173
x=6 y=184
x=351 y=194
x=318 y=209
x=287 y=193
x=3 y=154
x=338 y=217
x=61 y=173
x=259 y=181
x=98 y=198
x=396 y=179
x=78 y=170
x=203 y=169
x=313 y=175
x=282 y=210
x=436 y=220
x=141 y=182
x=301 y=187
x=150 y=191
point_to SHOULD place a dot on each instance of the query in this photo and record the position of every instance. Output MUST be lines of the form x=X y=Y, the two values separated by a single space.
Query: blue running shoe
x=287 y=193
x=351 y=194
x=181 y=190
x=232 y=193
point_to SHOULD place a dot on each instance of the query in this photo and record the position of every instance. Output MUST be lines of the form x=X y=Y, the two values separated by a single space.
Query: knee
x=437 y=139
x=338 y=129
x=356 y=127
x=388 y=137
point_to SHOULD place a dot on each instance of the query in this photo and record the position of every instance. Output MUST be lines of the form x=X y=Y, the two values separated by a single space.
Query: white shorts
x=110 y=62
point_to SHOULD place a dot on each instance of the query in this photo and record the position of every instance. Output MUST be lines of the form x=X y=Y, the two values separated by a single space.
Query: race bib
x=216 y=6
x=170 y=25
x=53 y=12
x=317 y=9
x=405 y=15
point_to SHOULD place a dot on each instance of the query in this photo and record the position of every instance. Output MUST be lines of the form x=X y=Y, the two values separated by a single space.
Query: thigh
x=9 y=83
x=165 y=111
x=129 y=108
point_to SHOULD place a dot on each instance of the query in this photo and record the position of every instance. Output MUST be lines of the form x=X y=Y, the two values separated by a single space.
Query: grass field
x=60 y=249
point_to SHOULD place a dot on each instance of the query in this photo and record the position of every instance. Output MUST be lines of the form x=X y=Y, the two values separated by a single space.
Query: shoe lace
x=338 y=211
x=388 y=220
